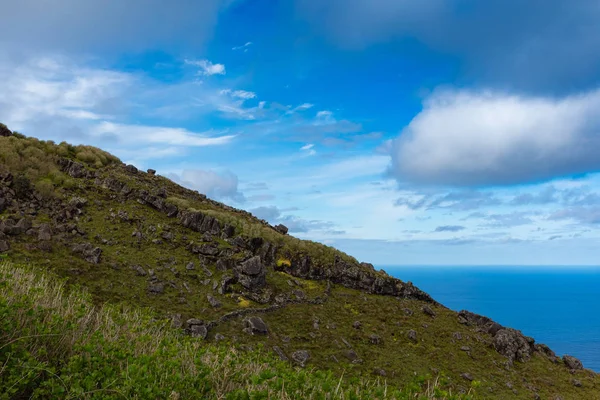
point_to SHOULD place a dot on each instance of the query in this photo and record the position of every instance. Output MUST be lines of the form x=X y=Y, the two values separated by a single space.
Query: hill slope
x=223 y=276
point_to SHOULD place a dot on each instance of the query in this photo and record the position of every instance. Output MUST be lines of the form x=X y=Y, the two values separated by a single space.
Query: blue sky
x=452 y=132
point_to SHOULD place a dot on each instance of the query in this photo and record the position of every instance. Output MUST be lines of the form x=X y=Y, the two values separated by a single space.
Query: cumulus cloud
x=107 y=25
x=468 y=138
x=60 y=99
x=505 y=42
x=215 y=184
x=207 y=68
x=268 y=213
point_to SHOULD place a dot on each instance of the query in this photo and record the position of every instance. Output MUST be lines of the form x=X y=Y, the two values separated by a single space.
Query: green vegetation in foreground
x=54 y=343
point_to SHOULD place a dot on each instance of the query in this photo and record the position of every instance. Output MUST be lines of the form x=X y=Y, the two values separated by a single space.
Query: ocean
x=557 y=306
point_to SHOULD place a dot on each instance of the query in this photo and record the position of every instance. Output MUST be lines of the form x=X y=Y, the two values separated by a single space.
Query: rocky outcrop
x=354 y=276
x=88 y=252
x=200 y=222
x=73 y=168
x=513 y=345
x=255 y=326
x=572 y=362
x=4 y=131
x=281 y=229
x=252 y=273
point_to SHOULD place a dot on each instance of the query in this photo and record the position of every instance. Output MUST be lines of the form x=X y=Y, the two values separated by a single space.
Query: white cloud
x=240 y=94
x=307 y=146
x=132 y=134
x=60 y=99
x=324 y=114
x=215 y=184
x=207 y=68
x=242 y=47
x=485 y=138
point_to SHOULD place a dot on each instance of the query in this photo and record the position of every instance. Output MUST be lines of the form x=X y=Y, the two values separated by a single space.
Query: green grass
x=55 y=343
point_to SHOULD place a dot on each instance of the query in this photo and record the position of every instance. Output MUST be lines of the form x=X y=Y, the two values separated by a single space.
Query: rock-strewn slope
x=223 y=275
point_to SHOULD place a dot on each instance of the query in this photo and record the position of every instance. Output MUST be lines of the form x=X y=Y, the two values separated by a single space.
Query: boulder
x=513 y=344
x=213 y=302
x=281 y=229
x=200 y=222
x=72 y=168
x=4 y=131
x=412 y=335
x=139 y=270
x=89 y=253
x=375 y=339
x=200 y=331
x=428 y=311
x=151 y=171
x=156 y=288
x=301 y=357
x=255 y=326
x=44 y=232
x=224 y=264
x=467 y=376
x=483 y=324
x=572 y=362
x=252 y=274
x=131 y=169
x=280 y=353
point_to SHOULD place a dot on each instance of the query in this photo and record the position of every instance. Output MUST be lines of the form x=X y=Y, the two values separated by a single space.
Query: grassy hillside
x=235 y=286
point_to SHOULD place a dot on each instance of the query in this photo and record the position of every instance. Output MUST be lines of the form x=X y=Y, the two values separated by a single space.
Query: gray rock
x=224 y=264
x=356 y=324
x=280 y=353
x=281 y=229
x=512 y=344
x=4 y=246
x=577 y=383
x=156 y=288
x=379 y=372
x=89 y=253
x=412 y=335
x=484 y=324
x=428 y=311
x=200 y=331
x=151 y=171
x=572 y=362
x=465 y=348
x=375 y=339
x=213 y=302
x=219 y=337
x=131 y=169
x=139 y=270
x=467 y=376
x=194 y=321
x=457 y=335
x=255 y=326
x=4 y=131
x=350 y=355
x=252 y=274
x=301 y=357
x=44 y=232
x=190 y=266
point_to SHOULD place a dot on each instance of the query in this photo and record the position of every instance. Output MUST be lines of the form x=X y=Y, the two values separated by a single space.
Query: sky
x=404 y=132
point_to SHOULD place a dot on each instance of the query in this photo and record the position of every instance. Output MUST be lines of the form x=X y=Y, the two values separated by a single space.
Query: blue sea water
x=557 y=306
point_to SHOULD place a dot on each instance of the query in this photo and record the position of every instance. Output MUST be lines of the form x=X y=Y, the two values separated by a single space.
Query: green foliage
x=57 y=344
